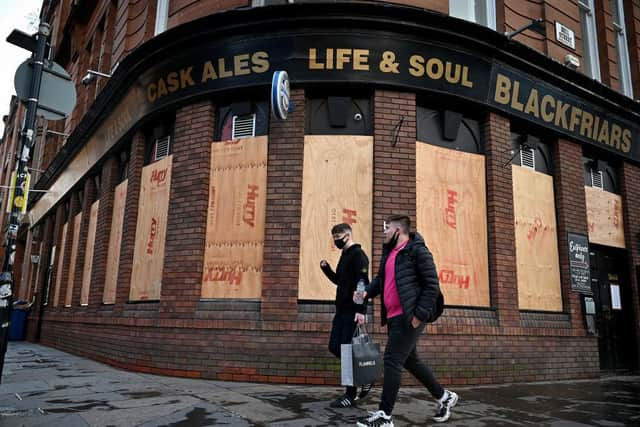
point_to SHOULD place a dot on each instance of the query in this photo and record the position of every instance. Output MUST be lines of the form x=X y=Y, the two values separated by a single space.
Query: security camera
x=571 y=61
x=88 y=78
x=357 y=117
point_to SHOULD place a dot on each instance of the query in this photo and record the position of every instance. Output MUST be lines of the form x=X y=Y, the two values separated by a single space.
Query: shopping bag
x=360 y=361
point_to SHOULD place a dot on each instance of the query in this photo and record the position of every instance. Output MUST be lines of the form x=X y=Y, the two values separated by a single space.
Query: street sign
x=57 y=91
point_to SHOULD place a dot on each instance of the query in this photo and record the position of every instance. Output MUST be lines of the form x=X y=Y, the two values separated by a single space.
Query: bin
x=18 y=326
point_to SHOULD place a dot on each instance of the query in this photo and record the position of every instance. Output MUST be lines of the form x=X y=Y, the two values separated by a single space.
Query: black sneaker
x=376 y=419
x=444 y=408
x=364 y=391
x=343 y=401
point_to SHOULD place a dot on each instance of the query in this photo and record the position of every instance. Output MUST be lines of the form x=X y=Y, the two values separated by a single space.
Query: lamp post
x=26 y=142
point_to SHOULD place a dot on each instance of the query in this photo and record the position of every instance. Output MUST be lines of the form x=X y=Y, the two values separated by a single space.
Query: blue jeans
x=342 y=331
x=401 y=352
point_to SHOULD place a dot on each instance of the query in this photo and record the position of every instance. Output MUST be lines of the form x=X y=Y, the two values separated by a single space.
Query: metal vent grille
x=244 y=127
x=596 y=179
x=528 y=157
x=162 y=147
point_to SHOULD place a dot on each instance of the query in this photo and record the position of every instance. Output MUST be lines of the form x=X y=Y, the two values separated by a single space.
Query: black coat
x=416 y=280
x=353 y=266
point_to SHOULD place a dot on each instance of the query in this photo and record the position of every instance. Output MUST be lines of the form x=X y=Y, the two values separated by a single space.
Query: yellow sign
x=19 y=201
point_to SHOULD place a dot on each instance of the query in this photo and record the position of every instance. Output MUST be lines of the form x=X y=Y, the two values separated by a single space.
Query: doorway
x=614 y=312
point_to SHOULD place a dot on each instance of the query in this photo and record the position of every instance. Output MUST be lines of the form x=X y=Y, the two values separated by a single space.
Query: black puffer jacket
x=416 y=280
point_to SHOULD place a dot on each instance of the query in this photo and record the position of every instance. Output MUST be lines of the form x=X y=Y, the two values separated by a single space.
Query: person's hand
x=415 y=322
x=355 y=296
x=360 y=318
x=323 y=263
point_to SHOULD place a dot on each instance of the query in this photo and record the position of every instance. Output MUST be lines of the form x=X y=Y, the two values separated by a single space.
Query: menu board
x=579 y=263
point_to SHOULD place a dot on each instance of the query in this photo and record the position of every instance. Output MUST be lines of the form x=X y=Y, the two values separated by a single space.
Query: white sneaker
x=376 y=419
x=448 y=401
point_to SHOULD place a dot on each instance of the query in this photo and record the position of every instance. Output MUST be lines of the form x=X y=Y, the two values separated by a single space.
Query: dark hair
x=341 y=228
x=403 y=220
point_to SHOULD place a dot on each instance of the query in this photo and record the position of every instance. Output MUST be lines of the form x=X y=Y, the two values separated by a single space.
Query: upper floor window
x=162 y=16
x=481 y=12
x=624 y=68
x=591 y=63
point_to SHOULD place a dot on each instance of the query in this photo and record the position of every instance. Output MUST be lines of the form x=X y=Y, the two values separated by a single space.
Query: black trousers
x=342 y=331
x=401 y=352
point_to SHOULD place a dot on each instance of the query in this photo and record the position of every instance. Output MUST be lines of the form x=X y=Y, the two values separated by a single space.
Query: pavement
x=42 y=386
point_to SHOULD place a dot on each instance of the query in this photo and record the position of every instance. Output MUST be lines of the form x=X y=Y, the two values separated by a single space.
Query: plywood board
x=88 y=257
x=56 y=292
x=74 y=258
x=604 y=216
x=151 y=231
x=337 y=186
x=536 y=241
x=451 y=205
x=235 y=219
x=115 y=242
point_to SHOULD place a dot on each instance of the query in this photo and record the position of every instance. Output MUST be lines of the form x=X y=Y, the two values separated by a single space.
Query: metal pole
x=26 y=143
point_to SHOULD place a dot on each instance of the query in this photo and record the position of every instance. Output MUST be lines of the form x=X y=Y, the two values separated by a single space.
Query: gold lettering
x=260 y=61
x=533 y=107
x=162 y=88
x=561 y=114
x=360 y=59
x=151 y=92
x=313 y=64
x=343 y=56
x=616 y=133
x=417 y=66
x=222 y=71
x=596 y=127
x=515 y=104
x=241 y=65
x=547 y=101
x=185 y=77
x=587 y=124
x=626 y=141
x=208 y=73
x=465 y=77
x=575 y=118
x=503 y=88
x=172 y=82
x=439 y=68
x=604 y=133
x=454 y=77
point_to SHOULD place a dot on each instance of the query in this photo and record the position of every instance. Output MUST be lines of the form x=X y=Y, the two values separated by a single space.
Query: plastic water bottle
x=360 y=292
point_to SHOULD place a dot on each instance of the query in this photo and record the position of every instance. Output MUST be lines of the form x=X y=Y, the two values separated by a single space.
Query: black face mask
x=340 y=243
x=393 y=241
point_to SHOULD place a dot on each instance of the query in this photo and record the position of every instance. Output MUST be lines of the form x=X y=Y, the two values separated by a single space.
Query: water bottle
x=360 y=288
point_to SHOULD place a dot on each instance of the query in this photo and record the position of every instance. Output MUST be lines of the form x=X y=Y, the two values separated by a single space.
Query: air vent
x=596 y=179
x=162 y=147
x=528 y=157
x=244 y=127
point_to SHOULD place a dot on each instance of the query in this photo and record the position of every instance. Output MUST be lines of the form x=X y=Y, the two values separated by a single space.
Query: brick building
x=183 y=224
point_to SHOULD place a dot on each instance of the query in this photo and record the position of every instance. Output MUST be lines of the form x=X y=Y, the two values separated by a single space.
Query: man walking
x=352 y=266
x=408 y=285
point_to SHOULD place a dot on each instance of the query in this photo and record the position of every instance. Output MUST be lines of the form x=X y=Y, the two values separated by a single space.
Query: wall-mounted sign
x=280 y=95
x=565 y=35
x=579 y=269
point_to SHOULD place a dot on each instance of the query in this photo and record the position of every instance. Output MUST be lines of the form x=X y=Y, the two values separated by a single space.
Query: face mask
x=340 y=243
x=394 y=240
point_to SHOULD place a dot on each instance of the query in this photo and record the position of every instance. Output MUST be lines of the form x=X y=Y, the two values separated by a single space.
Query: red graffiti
x=450 y=277
x=249 y=215
x=535 y=227
x=616 y=213
x=159 y=176
x=450 y=211
x=152 y=235
x=230 y=277
x=349 y=216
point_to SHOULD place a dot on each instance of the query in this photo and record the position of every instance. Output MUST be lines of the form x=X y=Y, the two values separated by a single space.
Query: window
x=591 y=63
x=482 y=12
x=162 y=16
x=624 y=69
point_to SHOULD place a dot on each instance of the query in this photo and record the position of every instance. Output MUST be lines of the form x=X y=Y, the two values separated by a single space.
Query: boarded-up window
x=235 y=220
x=148 y=254
x=88 y=257
x=536 y=241
x=115 y=241
x=604 y=216
x=56 y=292
x=452 y=217
x=74 y=258
x=337 y=187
